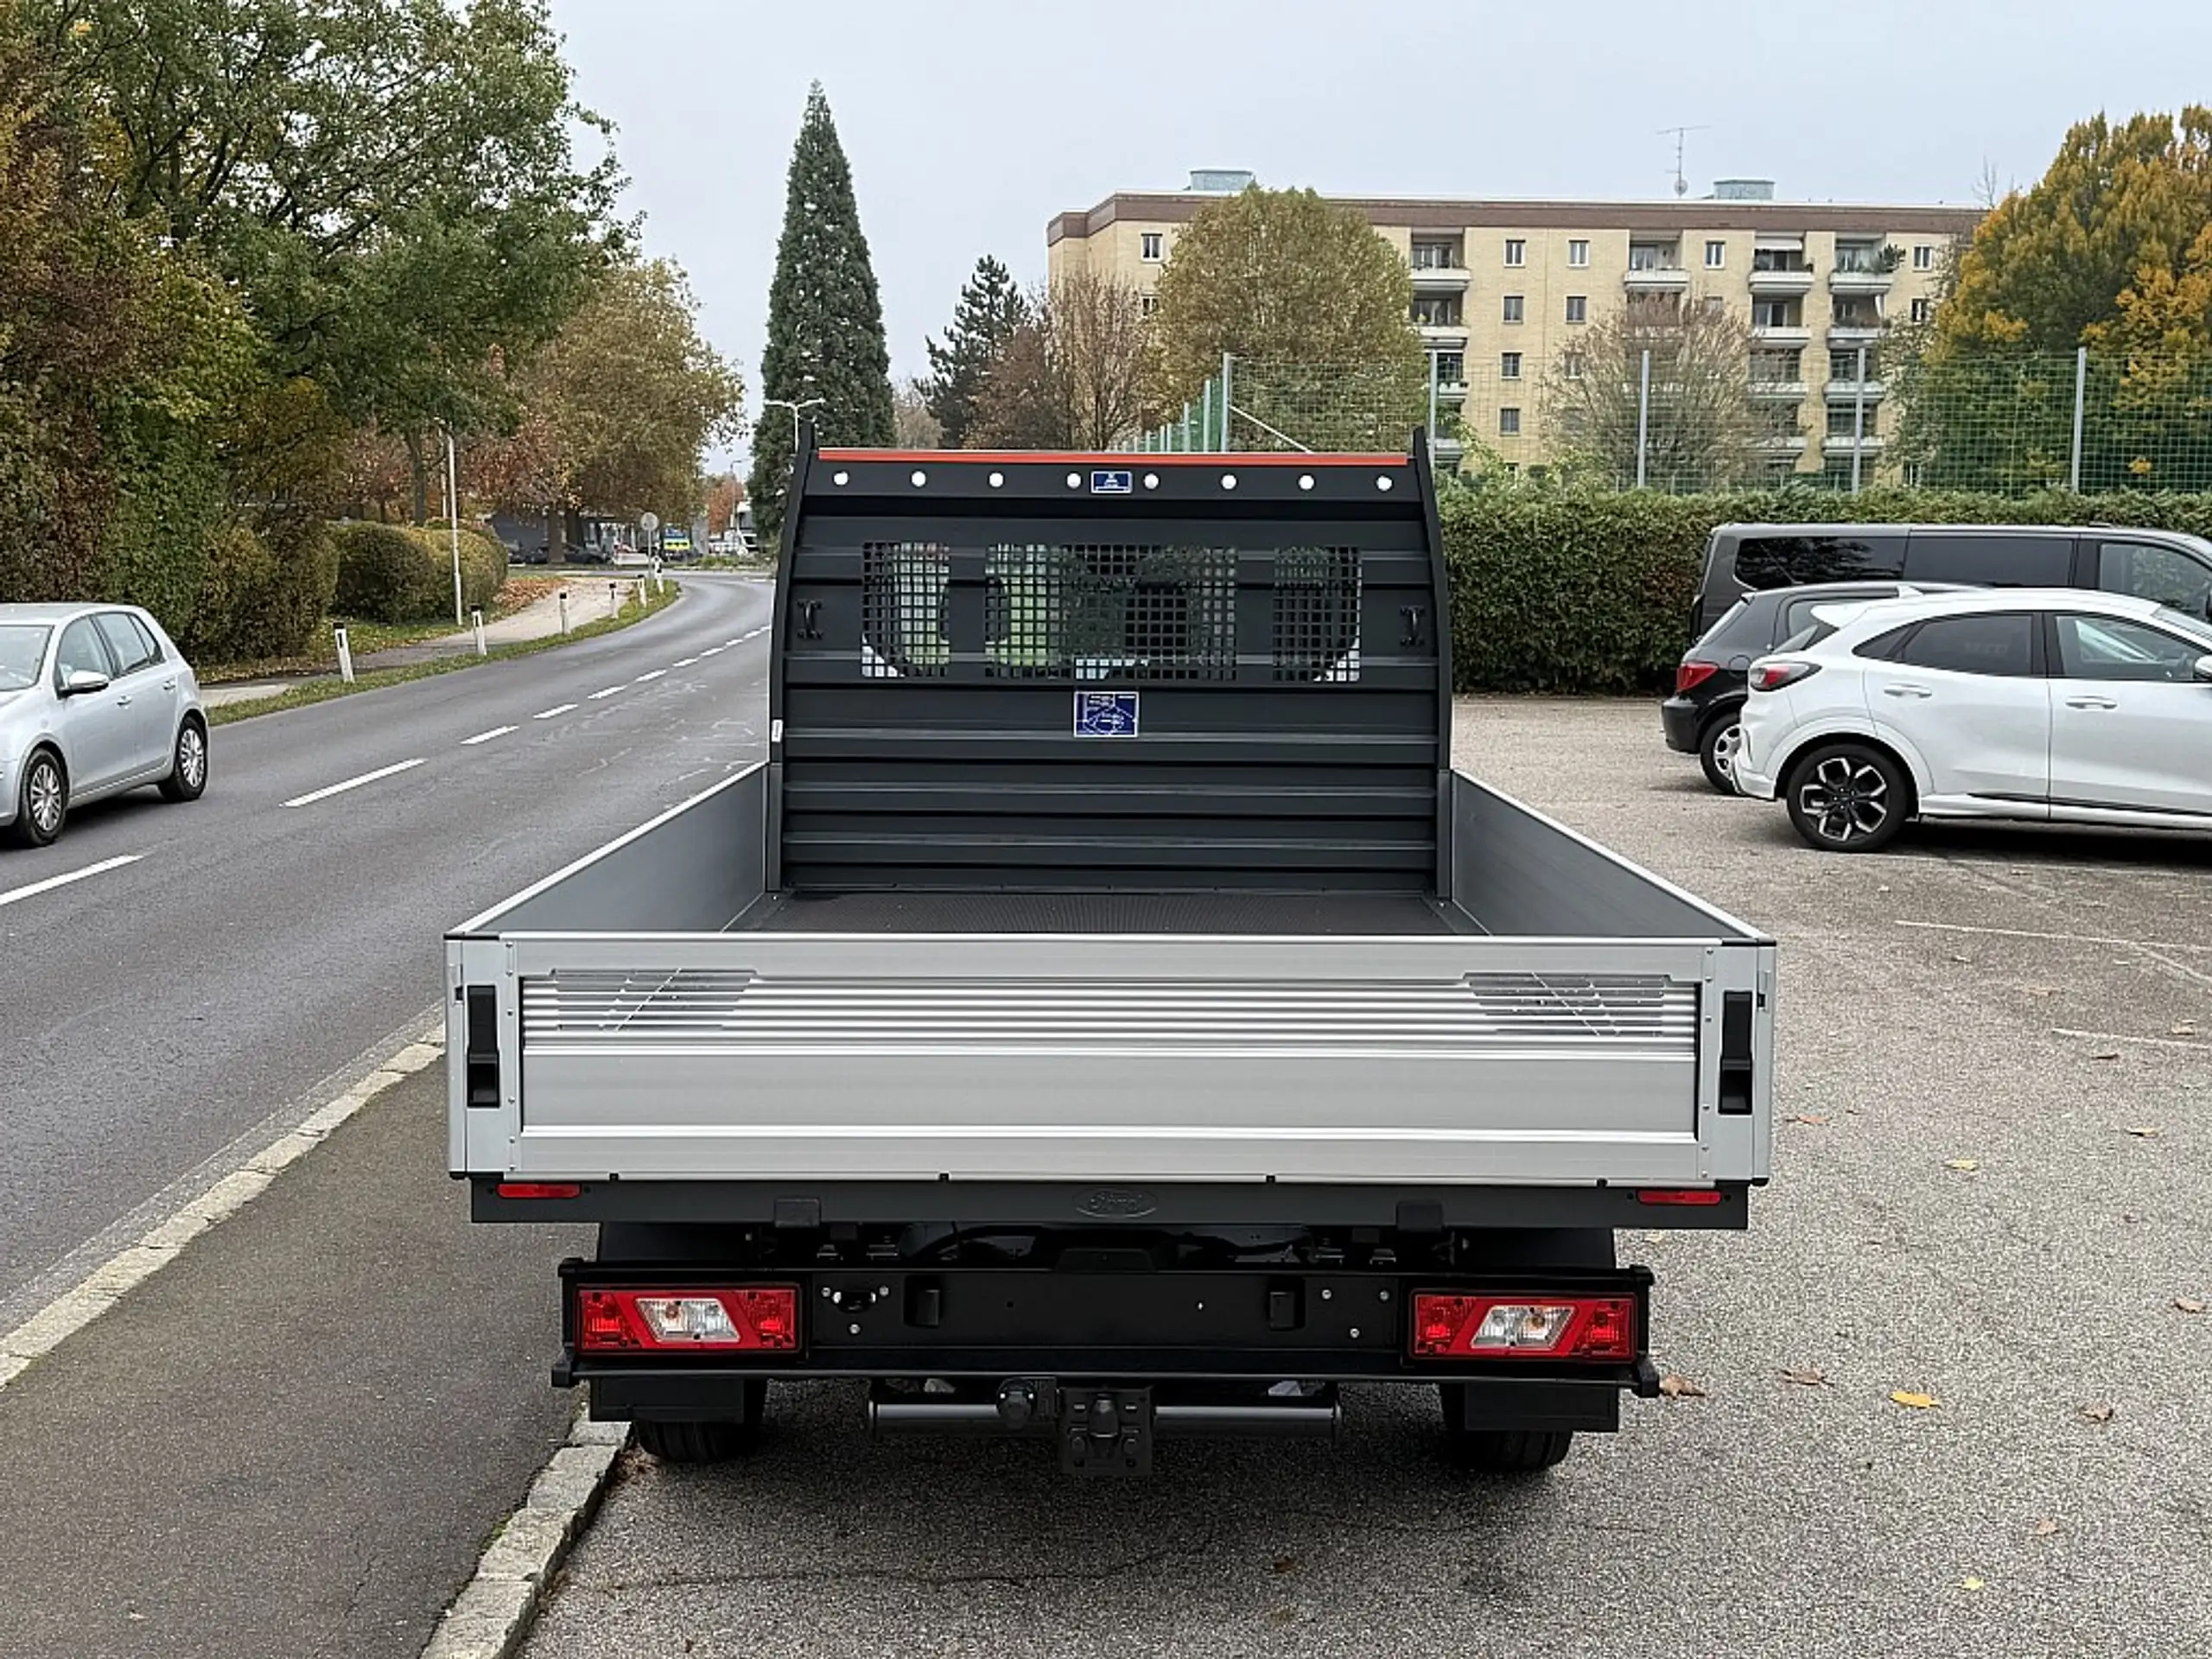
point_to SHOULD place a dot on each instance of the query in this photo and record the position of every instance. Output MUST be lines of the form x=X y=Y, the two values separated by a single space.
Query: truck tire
x=707 y=1442
x=1503 y=1451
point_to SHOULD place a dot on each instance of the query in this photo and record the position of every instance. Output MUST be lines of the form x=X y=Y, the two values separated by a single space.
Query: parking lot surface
x=1947 y=1395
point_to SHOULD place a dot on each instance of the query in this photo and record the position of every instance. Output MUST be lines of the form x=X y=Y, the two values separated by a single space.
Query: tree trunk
x=418 y=479
x=557 y=545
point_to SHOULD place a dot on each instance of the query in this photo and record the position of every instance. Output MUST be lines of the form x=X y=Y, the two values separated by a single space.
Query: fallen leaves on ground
x=2041 y=991
x=2100 y=1413
x=1816 y=1119
x=1283 y=1564
x=2105 y=1054
x=1912 y=1401
x=2146 y=1131
x=2182 y=1028
x=1807 y=1376
x=1680 y=1387
x=2189 y=1305
x=1974 y=1583
x=1965 y=1166
x=2046 y=1527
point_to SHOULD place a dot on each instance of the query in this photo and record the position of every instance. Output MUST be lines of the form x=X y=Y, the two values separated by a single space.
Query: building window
x=1923 y=257
x=1437 y=311
x=1571 y=365
x=1514 y=308
x=1516 y=251
x=1776 y=368
x=1844 y=365
x=1777 y=314
x=1508 y=365
x=1652 y=256
x=1149 y=303
x=1716 y=255
x=1151 y=245
x=1450 y=368
x=1436 y=256
x=1508 y=423
x=1922 y=309
x=1578 y=307
x=1578 y=254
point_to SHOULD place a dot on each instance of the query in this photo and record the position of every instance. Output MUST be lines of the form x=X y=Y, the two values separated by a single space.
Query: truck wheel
x=1502 y=1451
x=715 y=1442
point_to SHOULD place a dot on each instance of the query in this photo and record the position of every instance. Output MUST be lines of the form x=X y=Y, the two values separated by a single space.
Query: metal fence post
x=2080 y=402
x=1205 y=416
x=1858 y=421
x=1434 y=359
x=1228 y=382
x=1643 y=419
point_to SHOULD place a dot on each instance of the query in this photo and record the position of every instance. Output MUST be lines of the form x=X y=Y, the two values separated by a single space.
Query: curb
x=495 y=1609
x=123 y=1273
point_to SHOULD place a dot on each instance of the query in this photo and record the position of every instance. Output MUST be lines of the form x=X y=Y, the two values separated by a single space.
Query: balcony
x=1779 y=391
x=1445 y=336
x=1782 y=284
x=1451 y=391
x=1855 y=331
x=1860 y=279
x=1833 y=445
x=1656 y=279
x=1783 y=443
x=1440 y=279
x=1844 y=389
x=1782 y=334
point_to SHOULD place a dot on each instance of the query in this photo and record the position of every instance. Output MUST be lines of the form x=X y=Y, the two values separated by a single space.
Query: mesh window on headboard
x=1111 y=612
x=902 y=609
x=1317 y=596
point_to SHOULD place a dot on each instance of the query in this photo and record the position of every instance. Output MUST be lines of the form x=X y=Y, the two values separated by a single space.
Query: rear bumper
x=1680 y=720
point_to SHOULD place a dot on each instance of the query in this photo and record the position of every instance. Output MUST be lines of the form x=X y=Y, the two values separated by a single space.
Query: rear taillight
x=1781 y=670
x=1693 y=1195
x=1690 y=675
x=539 y=1189
x=1524 y=1327
x=751 y=1319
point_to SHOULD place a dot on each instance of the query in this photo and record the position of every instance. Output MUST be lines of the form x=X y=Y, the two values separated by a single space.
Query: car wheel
x=1848 y=797
x=188 y=779
x=1716 y=750
x=713 y=1442
x=41 y=800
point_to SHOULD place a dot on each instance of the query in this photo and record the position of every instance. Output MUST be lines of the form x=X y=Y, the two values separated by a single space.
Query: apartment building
x=1503 y=290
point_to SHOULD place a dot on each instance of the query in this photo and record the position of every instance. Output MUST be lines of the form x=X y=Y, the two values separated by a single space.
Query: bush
x=1589 y=592
x=386 y=575
x=483 y=562
x=263 y=595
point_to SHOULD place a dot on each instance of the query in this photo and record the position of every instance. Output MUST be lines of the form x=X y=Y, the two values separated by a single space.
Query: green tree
x=1286 y=280
x=618 y=410
x=991 y=307
x=825 y=318
x=1699 y=428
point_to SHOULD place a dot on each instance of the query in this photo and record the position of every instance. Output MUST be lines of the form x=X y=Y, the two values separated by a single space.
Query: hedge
x=262 y=594
x=1564 y=591
x=483 y=560
x=385 y=574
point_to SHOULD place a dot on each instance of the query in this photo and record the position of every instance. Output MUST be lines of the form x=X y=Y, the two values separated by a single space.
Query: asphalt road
x=271 y=935
x=1993 y=1182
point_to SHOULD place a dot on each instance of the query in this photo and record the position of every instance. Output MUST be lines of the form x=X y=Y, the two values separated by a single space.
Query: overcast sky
x=970 y=123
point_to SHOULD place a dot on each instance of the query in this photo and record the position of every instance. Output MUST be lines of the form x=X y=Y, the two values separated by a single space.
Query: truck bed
x=1217 y=914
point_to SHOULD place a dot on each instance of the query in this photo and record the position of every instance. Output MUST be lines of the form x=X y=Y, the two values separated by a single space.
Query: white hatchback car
x=94 y=700
x=2052 y=705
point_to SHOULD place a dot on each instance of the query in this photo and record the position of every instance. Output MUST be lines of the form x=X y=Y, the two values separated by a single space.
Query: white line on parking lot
x=54 y=881
x=353 y=783
x=561 y=709
x=2122 y=1037
x=611 y=691
x=714 y=651
x=2062 y=938
x=685 y=662
x=485 y=737
x=655 y=675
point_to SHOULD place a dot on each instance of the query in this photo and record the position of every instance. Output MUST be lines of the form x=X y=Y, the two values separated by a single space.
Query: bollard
x=613 y=600
x=482 y=650
x=564 y=610
x=345 y=657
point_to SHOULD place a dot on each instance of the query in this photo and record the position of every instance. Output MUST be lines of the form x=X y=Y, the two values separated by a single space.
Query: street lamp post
x=453 y=523
x=795 y=407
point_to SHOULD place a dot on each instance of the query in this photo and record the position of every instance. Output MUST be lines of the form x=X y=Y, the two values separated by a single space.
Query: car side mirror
x=82 y=681
x=2200 y=671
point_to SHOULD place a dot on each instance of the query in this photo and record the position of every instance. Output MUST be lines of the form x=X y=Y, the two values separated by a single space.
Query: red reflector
x=1691 y=675
x=1539 y=1325
x=740 y=1318
x=539 y=1189
x=1678 y=1195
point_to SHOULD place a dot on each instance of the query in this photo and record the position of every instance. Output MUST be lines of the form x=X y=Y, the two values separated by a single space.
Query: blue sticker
x=1105 y=714
x=1114 y=482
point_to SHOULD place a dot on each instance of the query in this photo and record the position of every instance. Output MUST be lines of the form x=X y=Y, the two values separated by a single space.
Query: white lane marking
x=755 y=634
x=485 y=737
x=611 y=691
x=53 y=882
x=714 y=651
x=740 y=640
x=2062 y=938
x=104 y=1286
x=2122 y=1037
x=562 y=709
x=353 y=783
x=655 y=675
x=686 y=662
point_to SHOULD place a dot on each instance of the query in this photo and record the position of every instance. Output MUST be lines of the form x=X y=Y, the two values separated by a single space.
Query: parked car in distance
x=1702 y=717
x=94 y=700
x=2048 y=705
x=2169 y=567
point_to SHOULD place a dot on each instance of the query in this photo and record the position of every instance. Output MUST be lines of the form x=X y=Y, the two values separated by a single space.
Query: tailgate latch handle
x=482 y=1054
x=1736 y=1053
x=809 y=614
x=1414 y=615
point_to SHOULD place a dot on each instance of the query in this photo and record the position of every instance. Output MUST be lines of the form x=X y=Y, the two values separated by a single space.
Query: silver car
x=94 y=700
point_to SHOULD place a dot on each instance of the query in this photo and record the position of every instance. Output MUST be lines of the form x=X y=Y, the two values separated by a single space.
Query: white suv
x=2052 y=705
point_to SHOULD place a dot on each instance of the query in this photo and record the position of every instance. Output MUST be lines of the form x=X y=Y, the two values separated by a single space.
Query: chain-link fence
x=1848 y=415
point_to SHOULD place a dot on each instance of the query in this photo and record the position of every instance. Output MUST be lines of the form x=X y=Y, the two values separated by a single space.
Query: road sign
x=649 y=523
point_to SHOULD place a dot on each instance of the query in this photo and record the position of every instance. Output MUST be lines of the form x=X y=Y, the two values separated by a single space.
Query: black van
x=2165 y=565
